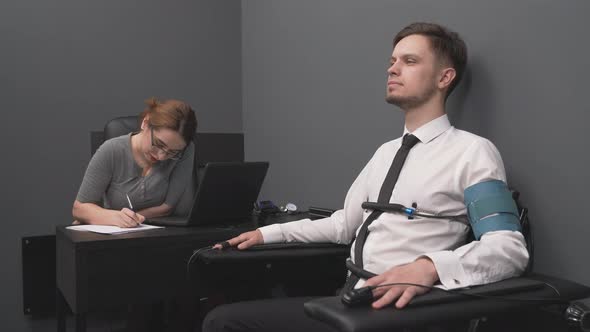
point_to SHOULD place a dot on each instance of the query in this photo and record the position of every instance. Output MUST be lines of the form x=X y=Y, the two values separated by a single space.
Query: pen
x=129 y=201
x=130 y=205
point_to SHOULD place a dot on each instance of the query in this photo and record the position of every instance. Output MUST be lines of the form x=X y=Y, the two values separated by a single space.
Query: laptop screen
x=227 y=192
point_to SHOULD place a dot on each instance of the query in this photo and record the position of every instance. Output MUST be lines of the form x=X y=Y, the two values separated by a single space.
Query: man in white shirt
x=426 y=64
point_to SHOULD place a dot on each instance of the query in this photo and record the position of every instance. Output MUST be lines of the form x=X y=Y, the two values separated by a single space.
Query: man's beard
x=410 y=102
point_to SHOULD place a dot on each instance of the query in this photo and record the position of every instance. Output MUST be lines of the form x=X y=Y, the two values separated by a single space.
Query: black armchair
x=537 y=290
x=512 y=308
x=301 y=269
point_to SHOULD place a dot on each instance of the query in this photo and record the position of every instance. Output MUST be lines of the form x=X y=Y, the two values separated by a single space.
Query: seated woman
x=143 y=174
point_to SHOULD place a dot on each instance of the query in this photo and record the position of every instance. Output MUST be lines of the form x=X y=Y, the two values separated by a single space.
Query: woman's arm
x=156 y=211
x=90 y=213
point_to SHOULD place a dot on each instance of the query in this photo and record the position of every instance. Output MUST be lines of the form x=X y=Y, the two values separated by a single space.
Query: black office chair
x=219 y=264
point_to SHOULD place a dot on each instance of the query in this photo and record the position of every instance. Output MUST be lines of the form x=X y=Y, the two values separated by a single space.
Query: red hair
x=171 y=114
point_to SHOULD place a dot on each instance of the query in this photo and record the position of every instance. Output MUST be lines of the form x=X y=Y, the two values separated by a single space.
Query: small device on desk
x=319 y=212
x=269 y=213
x=266 y=207
x=279 y=218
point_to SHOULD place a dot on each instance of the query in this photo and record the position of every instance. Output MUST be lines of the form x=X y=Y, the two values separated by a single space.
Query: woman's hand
x=126 y=218
x=90 y=213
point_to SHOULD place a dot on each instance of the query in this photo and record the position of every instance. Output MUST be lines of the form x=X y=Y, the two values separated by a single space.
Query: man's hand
x=126 y=218
x=244 y=240
x=421 y=271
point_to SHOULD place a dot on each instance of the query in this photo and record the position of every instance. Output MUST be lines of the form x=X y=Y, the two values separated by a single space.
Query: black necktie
x=384 y=196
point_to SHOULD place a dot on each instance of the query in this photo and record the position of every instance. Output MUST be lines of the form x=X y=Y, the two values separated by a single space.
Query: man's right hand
x=244 y=240
x=127 y=218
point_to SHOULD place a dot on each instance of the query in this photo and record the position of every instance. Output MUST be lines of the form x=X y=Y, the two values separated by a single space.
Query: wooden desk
x=96 y=271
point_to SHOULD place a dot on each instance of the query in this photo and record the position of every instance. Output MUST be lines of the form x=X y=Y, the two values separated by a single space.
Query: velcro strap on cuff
x=487 y=206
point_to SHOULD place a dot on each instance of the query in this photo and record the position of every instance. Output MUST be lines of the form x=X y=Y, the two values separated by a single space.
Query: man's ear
x=447 y=75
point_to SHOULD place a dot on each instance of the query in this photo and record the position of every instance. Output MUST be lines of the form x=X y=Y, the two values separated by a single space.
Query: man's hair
x=446 y=44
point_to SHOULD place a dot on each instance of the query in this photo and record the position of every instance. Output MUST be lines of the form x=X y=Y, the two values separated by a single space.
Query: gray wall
x=309 y=77
x=66 y=67
x=314 y=77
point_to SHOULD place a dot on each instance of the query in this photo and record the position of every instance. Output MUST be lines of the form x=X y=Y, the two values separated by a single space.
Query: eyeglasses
x=157 y=147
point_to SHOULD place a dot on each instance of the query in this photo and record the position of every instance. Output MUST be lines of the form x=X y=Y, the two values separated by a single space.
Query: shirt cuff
x=272 y=233
x=450 y=271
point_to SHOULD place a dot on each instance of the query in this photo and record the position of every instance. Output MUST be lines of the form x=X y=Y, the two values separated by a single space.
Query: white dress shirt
x=435 y=175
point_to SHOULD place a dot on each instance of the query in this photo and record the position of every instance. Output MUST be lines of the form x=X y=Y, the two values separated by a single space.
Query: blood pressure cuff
x=490 y=207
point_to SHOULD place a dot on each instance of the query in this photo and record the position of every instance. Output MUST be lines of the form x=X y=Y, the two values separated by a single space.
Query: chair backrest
x=120 y=126
x=525 y=226
x=208 y=146
x=113 y=128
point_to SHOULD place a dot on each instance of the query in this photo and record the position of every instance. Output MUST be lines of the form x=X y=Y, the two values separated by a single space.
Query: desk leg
x=80 y=322
x=60 y=310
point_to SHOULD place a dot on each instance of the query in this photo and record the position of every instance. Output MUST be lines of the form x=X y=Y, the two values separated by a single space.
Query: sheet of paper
x=102 y=229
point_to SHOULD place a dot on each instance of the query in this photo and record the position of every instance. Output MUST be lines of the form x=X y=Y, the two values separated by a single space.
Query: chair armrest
x=274 y=252
x=318 y=267
x=330 y=310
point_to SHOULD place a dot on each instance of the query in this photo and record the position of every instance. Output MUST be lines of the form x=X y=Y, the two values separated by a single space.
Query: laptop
x=225 y=196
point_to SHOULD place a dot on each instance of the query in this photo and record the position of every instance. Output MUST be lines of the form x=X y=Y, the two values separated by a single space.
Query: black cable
x=411 y=212
x=436 y=216
x=490 y=297
x=190 y=260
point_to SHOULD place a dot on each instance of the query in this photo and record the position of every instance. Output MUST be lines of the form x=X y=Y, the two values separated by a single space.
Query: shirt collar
x=431 y=130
